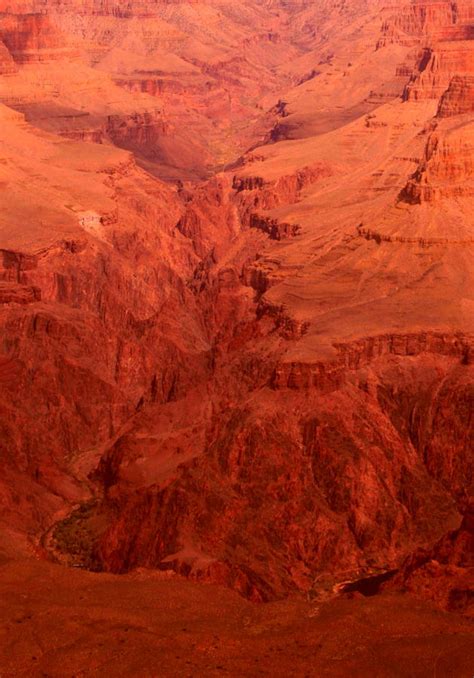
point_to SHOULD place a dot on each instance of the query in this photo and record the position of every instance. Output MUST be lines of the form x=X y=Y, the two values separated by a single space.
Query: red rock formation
x=439 y=20
x=264 y=377
x=436 y=68
x=32 y=37
x=448 y=166
x=458 y=98
x=7 y=65
x=444 y=573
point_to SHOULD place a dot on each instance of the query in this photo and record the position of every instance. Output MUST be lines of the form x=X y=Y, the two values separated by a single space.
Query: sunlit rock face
x=237 y=291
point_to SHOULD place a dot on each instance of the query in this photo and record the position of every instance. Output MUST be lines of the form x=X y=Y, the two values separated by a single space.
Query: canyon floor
x=236 y=338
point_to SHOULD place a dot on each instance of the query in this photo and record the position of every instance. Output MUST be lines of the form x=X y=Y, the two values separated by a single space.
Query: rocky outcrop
x=277 y=230
x=33 y=38
x=244 y=471
x=258 y=194
x=447 y=169
x=458 y=98
x=140 y=131
x=444 y=572
x=433 y=20
x=157 y=85
x=436 y=67
x=7 y=64
x=329 y=375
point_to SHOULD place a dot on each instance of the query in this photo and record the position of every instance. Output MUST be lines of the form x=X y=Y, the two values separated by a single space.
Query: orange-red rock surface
x=58 y=622
x=237 y=334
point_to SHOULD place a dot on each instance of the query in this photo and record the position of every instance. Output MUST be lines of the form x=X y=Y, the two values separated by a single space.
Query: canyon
x=236 y=337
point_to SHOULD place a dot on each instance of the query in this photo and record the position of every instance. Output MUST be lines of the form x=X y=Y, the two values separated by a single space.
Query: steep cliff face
x=436 y=20
x=313 y=511
x=448 y=166
x=458 y=98
x=32 y=37
x=436 y=67
x=88 y=310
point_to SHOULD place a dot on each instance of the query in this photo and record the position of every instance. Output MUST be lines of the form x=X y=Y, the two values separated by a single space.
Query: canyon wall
x=258 y=377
